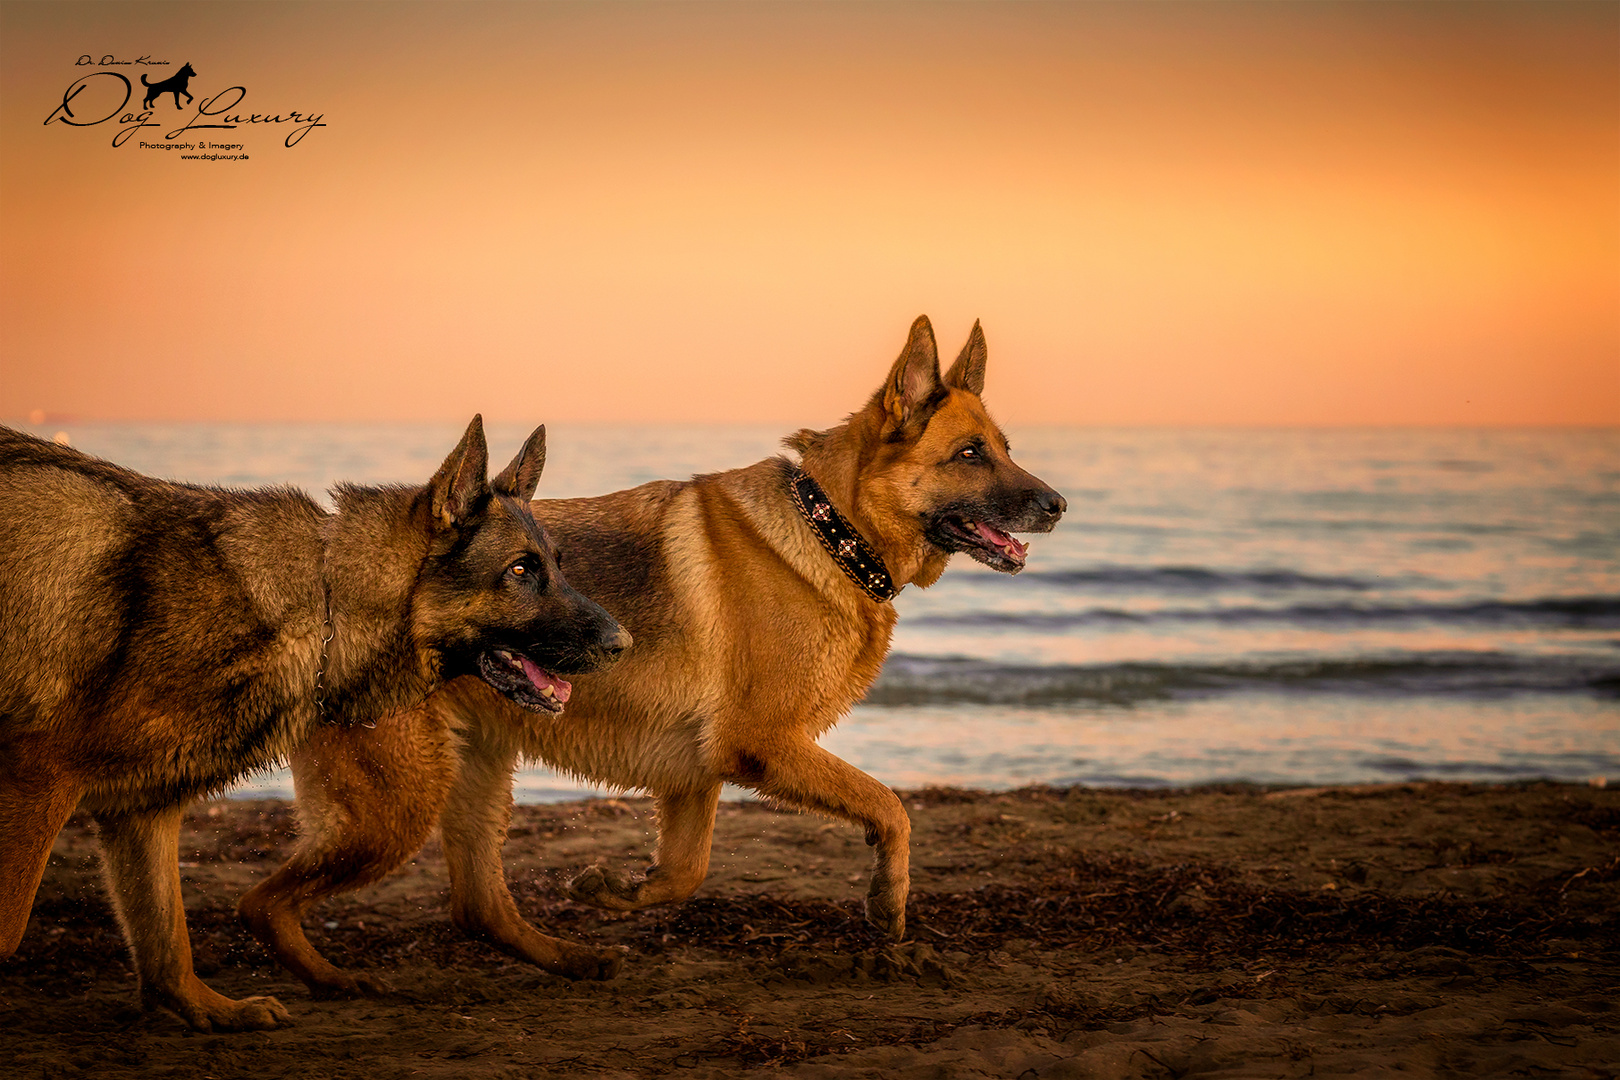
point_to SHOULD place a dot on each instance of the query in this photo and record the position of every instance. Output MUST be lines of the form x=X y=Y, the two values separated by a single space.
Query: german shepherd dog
x=760 y=607
x=175 y=84
x=159 y=640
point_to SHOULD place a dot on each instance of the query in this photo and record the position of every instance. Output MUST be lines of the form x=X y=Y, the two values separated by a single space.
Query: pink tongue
x=1015 y=550
x=542 y=679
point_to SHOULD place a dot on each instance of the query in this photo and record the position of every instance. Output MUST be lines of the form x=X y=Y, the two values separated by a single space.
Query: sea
x=1262 y=606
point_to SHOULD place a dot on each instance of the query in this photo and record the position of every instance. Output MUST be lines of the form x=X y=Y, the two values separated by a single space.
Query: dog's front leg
x=798 y=772
x=685 y=835
x=141 y=855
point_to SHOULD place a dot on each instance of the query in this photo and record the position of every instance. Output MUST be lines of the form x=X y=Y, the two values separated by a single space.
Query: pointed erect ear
x=462 y=481
x=913 y=388
x=968 y=371
x=520 y=478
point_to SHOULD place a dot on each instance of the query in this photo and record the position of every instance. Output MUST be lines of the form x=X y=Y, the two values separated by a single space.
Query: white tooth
x=504 y=655
x=548 y=692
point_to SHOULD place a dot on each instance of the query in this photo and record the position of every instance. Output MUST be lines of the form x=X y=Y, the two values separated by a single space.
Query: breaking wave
x=923 y=680
x=1580 y=612
x=1192 y=579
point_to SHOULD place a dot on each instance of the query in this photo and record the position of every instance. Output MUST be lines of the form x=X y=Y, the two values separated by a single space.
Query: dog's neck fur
x=373 y=552
x=837 y=459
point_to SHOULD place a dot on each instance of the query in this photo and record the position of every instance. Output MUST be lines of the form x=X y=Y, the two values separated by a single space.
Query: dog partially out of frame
x=160 y=640
x=175 y=84
x=760 y=603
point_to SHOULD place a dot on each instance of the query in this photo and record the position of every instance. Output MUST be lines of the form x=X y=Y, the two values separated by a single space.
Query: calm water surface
x=1263 y=605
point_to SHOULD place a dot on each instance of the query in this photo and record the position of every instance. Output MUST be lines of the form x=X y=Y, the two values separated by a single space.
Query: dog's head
x=492 y=599
x=186 y=72
x=926 y=473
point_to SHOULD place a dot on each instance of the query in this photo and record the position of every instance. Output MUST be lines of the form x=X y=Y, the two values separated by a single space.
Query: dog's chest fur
x=739 y=617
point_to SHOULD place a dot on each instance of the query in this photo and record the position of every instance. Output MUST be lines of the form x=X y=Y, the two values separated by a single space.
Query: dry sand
x=1423 y=930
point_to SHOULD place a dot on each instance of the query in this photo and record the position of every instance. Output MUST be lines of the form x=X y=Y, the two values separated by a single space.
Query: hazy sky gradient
x=1163 y=213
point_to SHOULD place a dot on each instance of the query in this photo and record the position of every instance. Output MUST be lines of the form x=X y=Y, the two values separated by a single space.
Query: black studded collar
x=853 y=555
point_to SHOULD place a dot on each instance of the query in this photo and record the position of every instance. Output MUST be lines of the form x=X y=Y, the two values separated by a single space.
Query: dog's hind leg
x=367 y=799
x=140 y=853
x=474 y=827
x=685 y=835
x=34 y=805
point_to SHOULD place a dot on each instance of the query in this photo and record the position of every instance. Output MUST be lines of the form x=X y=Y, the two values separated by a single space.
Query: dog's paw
x=887 y=915
x=343 y=985
x=601 y=887
x=587 y=885
x=583 y=962
x=258 y=1014
x=373 y=985
x=249 y=1014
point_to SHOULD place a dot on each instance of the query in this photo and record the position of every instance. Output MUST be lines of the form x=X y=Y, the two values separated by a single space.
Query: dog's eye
x=968 y=453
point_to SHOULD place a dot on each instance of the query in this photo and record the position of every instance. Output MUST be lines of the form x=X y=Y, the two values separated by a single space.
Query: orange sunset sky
x=1212 y=213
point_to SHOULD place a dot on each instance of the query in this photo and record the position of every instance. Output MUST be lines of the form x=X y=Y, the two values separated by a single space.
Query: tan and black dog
x=160 y=640
x=759 y=600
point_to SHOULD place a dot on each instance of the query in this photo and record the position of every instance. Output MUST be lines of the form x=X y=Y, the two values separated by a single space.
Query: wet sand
x=1424 y=930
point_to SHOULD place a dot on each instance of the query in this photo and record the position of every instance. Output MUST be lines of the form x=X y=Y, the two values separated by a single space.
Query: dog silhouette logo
x=175 y=84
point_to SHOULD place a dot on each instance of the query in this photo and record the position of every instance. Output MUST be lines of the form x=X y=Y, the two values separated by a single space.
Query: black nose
x=1051 y=502
x=616 y=645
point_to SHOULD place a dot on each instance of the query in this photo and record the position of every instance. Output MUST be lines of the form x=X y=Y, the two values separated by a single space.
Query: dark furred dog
x=159 y=640
x=175 y=84
x=751 y=642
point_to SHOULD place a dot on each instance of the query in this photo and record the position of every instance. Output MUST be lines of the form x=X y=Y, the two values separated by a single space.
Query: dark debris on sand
x=1452 y=929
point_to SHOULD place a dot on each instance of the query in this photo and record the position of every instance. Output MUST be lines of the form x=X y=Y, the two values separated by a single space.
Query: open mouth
x=986 y=543
x=523 y=681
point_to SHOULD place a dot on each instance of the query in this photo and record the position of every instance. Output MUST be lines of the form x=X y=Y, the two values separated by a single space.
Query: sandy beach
x=1419 y=930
